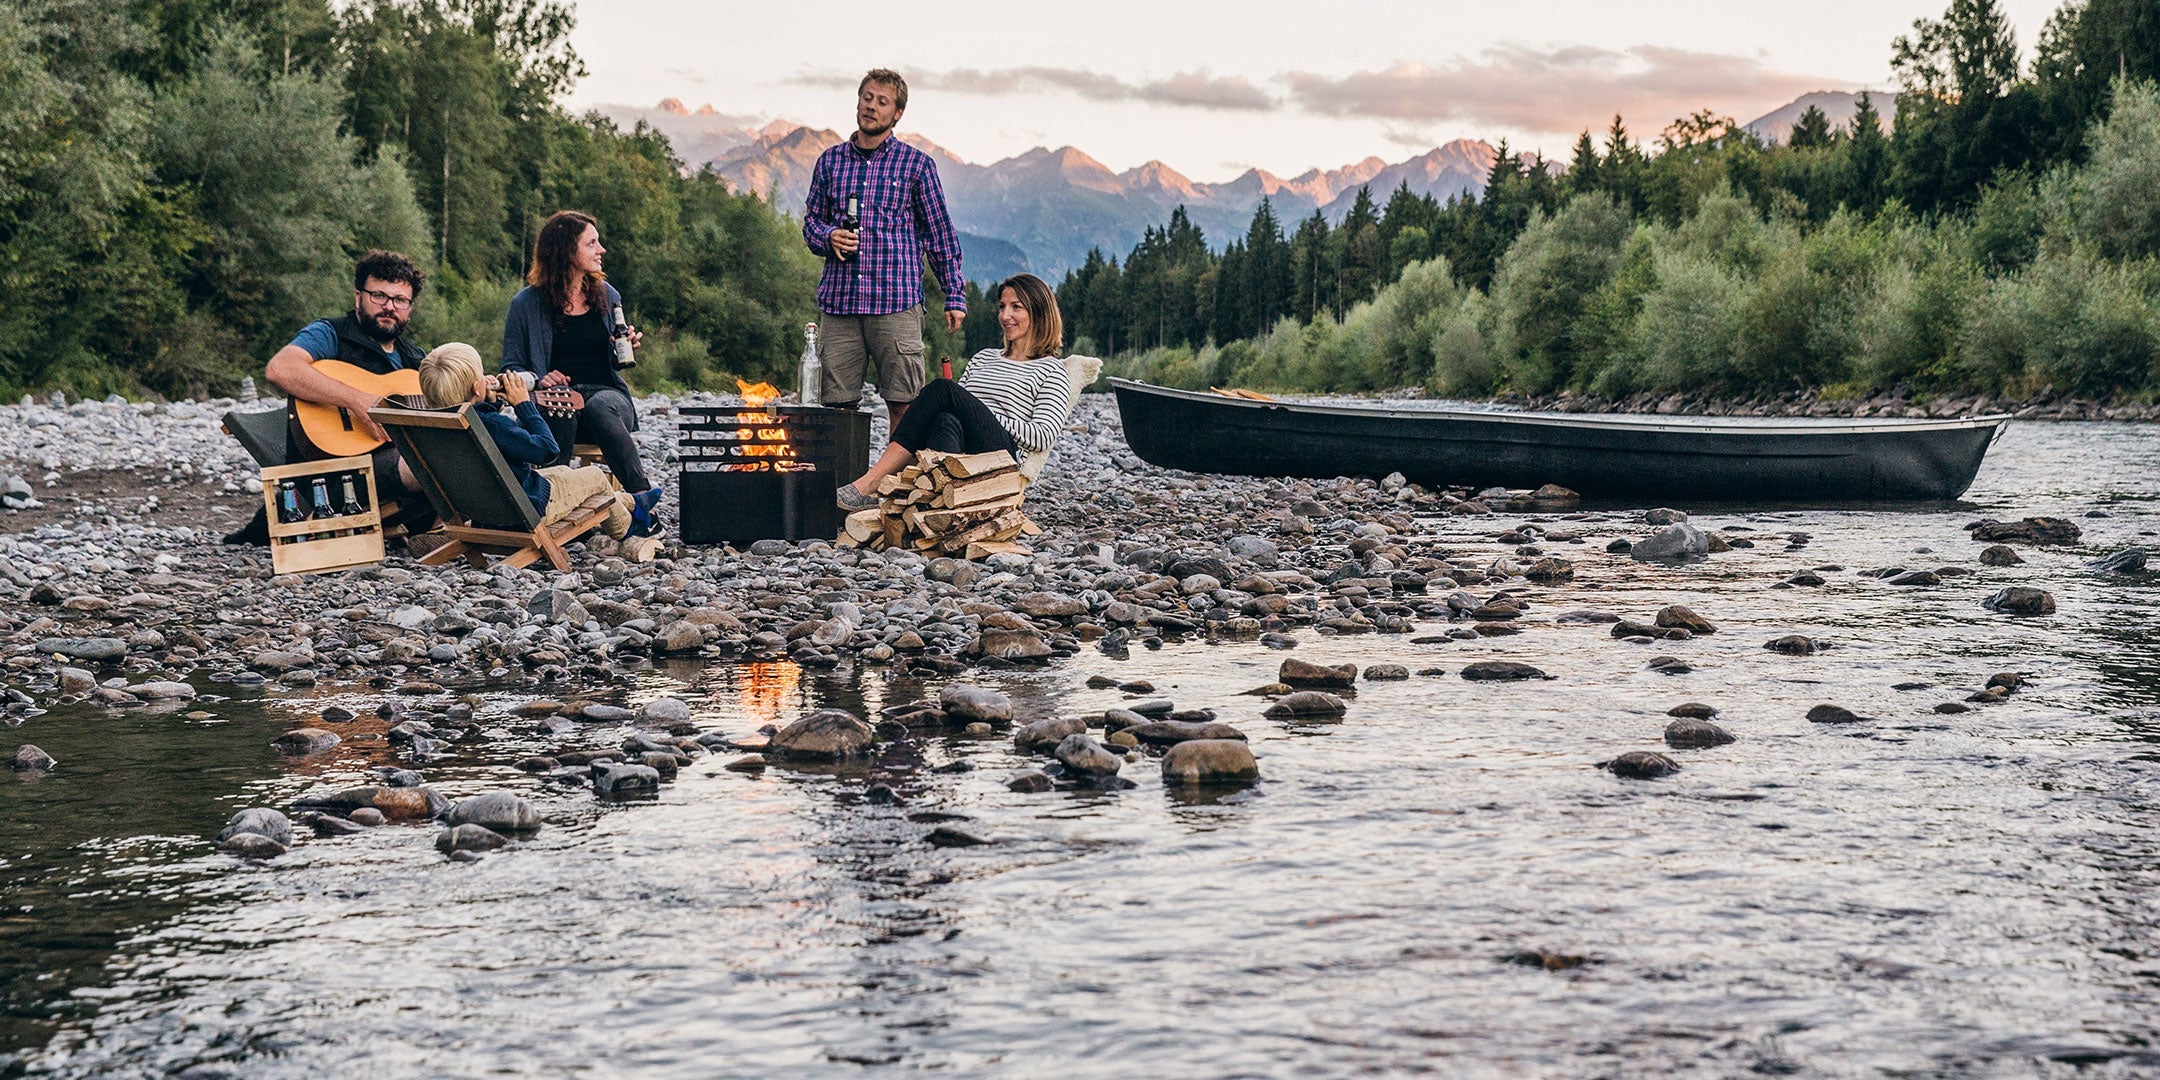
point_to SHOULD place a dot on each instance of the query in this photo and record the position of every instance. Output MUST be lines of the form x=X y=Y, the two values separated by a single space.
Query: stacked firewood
x=948 y=504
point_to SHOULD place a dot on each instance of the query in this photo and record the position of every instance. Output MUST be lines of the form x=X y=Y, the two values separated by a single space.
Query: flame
x=758 y=395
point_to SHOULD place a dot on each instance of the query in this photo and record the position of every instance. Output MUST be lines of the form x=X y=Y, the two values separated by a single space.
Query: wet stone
x=1210 y=761
x=975 y=704
x=1832 y=714
x=469 y=837
x=251 y=846
x=2000 y=555
x=1681 y=617
x=2020 y=600
x=1693 y=710
x=1030 y=781
x=306 y=741
x=500 y=811
x=1307 y=705
x=1689 y=733
x=1295 y=672
x=1082 y=754
x=1501 y=670
x=1386 y=673
x=1042 y=736
x=1641 y=765
x=28 y=758
x=1172 y=732
x=1792 y=645
x=828 y=734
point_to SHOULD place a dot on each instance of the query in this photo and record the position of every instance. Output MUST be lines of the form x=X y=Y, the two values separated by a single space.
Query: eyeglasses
x=388 y=300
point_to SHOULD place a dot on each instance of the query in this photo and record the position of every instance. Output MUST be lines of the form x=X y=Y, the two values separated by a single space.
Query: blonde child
x=453 y=375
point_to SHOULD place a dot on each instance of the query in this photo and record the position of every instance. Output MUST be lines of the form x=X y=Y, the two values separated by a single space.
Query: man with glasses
x=372 y=337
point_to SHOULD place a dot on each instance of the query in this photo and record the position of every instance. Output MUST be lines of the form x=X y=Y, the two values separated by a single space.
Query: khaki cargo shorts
x=849 y=344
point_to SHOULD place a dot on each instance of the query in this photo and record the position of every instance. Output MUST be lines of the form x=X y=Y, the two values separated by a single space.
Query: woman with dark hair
x=1013 y=399
x=561 y=332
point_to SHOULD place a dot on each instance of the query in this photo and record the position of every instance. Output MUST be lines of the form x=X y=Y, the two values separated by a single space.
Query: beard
x=872 y=128
x=384 y=327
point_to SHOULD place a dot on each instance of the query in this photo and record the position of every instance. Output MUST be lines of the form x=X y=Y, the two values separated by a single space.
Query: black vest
x=362 y=351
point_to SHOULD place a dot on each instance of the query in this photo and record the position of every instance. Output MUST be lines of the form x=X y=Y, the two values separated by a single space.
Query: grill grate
x=767 y=473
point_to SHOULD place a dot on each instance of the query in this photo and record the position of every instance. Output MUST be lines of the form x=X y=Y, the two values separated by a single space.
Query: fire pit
x=767 y=471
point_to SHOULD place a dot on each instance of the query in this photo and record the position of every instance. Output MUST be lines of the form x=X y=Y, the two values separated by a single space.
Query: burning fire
x=766 y=437
x=759 y=394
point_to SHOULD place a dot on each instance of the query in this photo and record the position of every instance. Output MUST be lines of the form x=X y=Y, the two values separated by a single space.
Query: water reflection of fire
x=767 y=686
x=765 y=437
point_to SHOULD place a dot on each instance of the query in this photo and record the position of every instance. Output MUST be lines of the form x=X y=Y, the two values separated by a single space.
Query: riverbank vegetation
x=2002 y=237
x=184 y=183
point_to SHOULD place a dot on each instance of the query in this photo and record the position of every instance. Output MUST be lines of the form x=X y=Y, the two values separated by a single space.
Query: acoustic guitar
x=331 y=430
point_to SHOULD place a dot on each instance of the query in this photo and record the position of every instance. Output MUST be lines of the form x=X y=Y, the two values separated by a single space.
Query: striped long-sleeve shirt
x=904 y=221
x=1031 y=398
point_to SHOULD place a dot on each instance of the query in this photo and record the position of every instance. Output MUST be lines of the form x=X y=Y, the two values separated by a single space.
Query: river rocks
x=663 y=711
x=1693 y=710
x=1082 y=754
x=251 y=846
x=827 y=734
x=1010 y=645
x=28 y=758
x=1501 y=671
x=1254 y=549
x=500 y=811
x=2020 y=600
x=1048 y=605
x=1675 y=541
x=1029 y=781
x=1663 y=516
x=1641 y=765
x=966 y=704
x=1913 y=578
x=1043 y=735
x=680 y=636
x=88 y=649
x=395 y=803
x=1307 y=705
x=1807 y=578
x=262 y=821
x=2126 y=561
x=300 y=741
x=1832 y=714
x=1550 y=569
x=469 y=837
x=1172 y=732
x=1688 y=733
x=948 y=836
x=1295 y=672
x=2000 y=555
x=1681 y=617
x=1792 y=645
x=1386 y=673
x=619 y=778
x=2032 y=530
x=279 y=661
x=1210 y=761
x=748 y=763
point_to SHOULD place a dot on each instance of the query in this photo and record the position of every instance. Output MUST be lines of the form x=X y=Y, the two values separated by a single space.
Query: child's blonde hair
x=447 y=375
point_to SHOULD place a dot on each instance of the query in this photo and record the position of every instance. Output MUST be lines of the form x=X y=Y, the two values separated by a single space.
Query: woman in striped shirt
x=1013 y=399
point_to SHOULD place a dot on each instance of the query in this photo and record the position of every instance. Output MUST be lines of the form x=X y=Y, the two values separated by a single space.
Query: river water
x=1439 y=883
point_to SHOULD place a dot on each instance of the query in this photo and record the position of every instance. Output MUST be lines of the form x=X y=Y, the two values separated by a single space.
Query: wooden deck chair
x=482 y=508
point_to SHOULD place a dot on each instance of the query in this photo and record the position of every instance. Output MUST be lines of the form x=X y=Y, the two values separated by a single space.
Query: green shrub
x=1546 y=280
x=2080 y=324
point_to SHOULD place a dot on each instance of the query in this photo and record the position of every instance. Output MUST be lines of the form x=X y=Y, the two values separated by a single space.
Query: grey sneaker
x=852 y=500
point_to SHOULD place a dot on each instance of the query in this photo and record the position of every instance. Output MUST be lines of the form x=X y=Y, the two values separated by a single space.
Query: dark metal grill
x=767 y=473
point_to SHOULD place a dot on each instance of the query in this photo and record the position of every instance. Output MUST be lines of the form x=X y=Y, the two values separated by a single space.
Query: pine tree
x=1812 y=132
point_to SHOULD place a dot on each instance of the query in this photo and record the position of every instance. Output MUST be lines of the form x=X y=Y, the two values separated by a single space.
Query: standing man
x=870 y=299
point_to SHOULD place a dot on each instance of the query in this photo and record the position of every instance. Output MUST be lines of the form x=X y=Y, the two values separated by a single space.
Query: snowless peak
x=706 y=110
x=674 y=106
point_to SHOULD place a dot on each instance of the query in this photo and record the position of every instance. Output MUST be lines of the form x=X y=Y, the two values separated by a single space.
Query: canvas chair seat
x=469 y=483
x=1079 y=372
x=260 y=433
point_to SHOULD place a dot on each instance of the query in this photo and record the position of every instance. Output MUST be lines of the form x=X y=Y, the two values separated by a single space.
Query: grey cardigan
x=529 y=336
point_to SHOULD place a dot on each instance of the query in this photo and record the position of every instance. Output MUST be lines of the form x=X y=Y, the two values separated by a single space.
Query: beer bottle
x=851 y=220
x=624 y=357
x=349 y=496
x=319 y=502
x=289 y=509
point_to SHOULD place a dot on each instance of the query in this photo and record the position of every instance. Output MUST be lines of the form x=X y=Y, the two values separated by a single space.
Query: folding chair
x=260 y=433
x=482 y=508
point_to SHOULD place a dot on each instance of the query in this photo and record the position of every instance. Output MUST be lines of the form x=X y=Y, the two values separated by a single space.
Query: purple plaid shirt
x=904 y=221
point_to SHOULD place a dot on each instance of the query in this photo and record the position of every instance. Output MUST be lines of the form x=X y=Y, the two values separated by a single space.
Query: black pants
x=605 y=420
x=947 y=418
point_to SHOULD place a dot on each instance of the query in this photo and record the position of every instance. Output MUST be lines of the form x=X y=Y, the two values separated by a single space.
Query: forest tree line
x=2002 y=236
x=185 y=183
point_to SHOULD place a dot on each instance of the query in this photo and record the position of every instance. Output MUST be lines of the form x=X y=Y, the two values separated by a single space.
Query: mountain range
x=1042 y=210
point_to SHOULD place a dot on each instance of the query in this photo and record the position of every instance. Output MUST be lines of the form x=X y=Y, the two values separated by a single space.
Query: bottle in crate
x=289 y=507
x=349 y=500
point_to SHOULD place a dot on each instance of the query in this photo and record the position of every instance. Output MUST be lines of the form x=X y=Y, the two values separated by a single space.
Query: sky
x=1212 y=87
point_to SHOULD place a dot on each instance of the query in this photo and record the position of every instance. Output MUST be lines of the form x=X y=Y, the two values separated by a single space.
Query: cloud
x=1192 y=89
x=1560 y=90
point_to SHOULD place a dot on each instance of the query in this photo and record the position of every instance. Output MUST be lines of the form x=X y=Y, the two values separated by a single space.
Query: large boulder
x=1295 y=672
x=2019 y=600
x=1307 y=705
x=262 y=821
x=825 y=735
x=500 y=811
x=973 y=703
x=1501 y=670
x=2032 y=530
x=1083 y=754
x=88 y=649
x=1210 y=761
x=1682 y=617
x=1171 y=732
x=1678 y=540
x=1045 y=734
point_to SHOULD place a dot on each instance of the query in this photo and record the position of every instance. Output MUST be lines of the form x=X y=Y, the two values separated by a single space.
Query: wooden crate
x=304 y=547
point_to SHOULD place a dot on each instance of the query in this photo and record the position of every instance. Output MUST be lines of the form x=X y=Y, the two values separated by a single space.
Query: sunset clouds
x=1557 y=90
